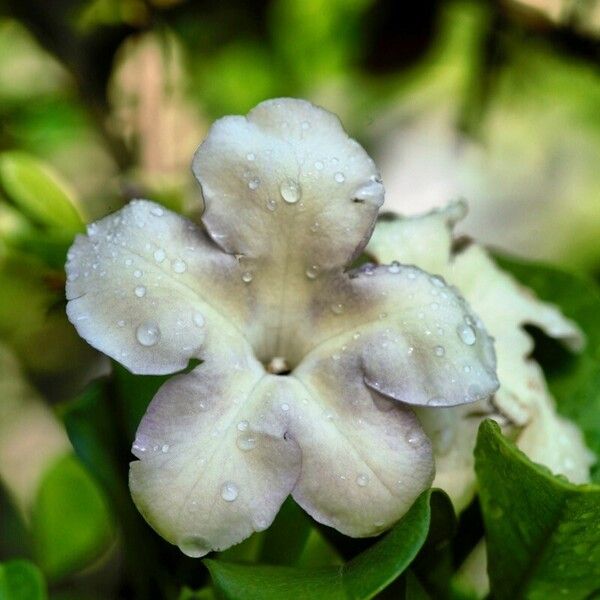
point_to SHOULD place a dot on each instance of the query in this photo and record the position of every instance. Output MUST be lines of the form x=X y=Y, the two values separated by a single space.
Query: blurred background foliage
x=102 y=101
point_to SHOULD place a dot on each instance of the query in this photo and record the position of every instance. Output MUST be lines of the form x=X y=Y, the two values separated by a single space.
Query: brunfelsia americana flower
x=310 y=371
x=522 y=404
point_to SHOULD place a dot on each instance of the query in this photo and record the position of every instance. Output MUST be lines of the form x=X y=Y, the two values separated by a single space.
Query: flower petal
x=365 y=459
x=215 y=461
x=147 y=287
x=411 y=336
x=504 y=306
x=287 y=185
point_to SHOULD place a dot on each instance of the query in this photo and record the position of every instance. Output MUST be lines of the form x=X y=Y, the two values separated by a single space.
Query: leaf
x=362 y=577
x=21 y=580
x=574 y=380
x=71 y=522
x=542 y=532
x=39 y=192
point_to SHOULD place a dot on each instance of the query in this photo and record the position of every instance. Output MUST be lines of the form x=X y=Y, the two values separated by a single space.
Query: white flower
x=310 y=372
x=505 y=307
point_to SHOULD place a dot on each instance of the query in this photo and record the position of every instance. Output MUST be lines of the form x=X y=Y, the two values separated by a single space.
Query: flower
x=522 y=403
x=310 y=371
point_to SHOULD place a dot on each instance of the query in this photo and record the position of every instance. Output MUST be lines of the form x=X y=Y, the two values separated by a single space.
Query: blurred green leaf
x=71 y=522
x=574 y=379
x=362 y=577
x=21 y=580
x=542 y=532
x=39 y=192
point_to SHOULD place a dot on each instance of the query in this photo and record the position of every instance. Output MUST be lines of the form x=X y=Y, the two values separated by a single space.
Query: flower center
x=278 y=365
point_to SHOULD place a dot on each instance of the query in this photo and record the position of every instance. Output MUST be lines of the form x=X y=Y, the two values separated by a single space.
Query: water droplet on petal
x=260 y=524
x=128 y=262
x=271 y=204
x=229 y=491
x=246 y=277
x=395 y=267
x=439 y=350
x=315 y=227
x=157 y=211
x=137 y=273
x=467 y=334
x=312 y=271
x=243 y=425
x=194 y=546
x=356 y=335
x=254 y=183
x=337 y=309
x=159 y=255
x=148 y=333
x=467 y=369
x=319 y=165
x=372 y=191
x=339 y=177
x=436 y=401
x=198 y=319
x=437 y=281
x=246 y=442
x=362 y=480
x=285 y=407
x=140 y=291
x=179 y=266
x=251 y=156
x=305 y=125
x=290 y=191
x=165 y=448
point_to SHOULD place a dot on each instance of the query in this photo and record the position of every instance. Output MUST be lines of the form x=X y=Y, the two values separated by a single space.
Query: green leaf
x=39 y=192
x=71 y=522
x=543 y=534
x=21 y=580
x=574 y=380
x=362 y=577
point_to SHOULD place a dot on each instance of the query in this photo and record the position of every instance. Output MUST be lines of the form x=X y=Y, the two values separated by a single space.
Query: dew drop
x=319 y=165
x=137 y=273
x=394 y=267
x=467 y=369
x=437 y=281
x=157 y=211
x=194 y=546
x=371 y=191
x=246 y=442
x=315 y=227
x=121 y=323
x=229 y=491
x=159 y=255
x=271 y=204
x=290 y=191
x=198 y=319
x=260 y=524
x=436 y=401
x=148 y=333
x=305 y=125
x=179 y=266
x=285 y=407
x=254 y=183
x=165 y=448
x=356 y=335
x=439 y=350
x=362 y=480
x=243 y=425
x=246 y=277
x=337 y=309
x=312 y=271
x=251 y=156
x=467 y=334
x=140 y=291
x=128 y=262
x=339 y=177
